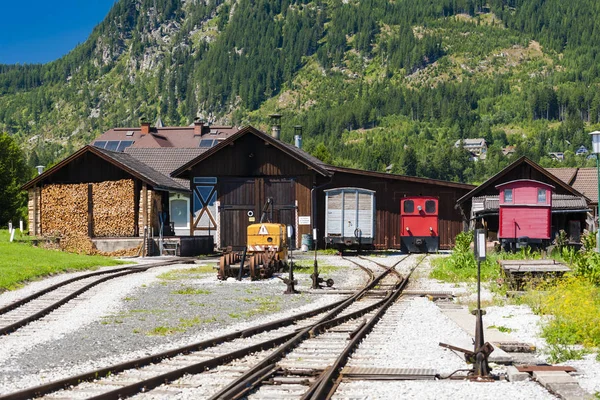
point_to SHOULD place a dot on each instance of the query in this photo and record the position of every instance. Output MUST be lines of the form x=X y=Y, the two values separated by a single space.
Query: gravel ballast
x=150 y=312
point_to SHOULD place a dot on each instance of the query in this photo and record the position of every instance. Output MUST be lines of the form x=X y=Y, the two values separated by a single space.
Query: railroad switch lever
x=479 y=359
x=318 y=282
x=291 y=289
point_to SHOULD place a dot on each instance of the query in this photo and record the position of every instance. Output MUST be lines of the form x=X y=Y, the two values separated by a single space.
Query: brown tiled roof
x=165 y=160
x=559 y=202
x=584 y=180
x=564 y=174
x=170 y=136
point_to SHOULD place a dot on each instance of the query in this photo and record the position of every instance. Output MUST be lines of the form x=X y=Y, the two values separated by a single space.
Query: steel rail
x=20 y=302
x=152 y=383
x=246 y=382
x=326 y=385
x=47 y=310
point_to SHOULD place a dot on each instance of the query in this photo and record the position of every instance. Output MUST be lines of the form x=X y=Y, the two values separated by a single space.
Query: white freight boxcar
x=350 y=216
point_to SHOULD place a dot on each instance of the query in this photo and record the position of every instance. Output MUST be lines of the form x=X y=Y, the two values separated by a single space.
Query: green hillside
x=374 y=83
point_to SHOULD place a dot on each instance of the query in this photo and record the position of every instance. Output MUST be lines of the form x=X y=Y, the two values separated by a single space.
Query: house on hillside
x=508 y=151
x=581 y=151
x=477 y=147
x=557 y=155
x=571 y=210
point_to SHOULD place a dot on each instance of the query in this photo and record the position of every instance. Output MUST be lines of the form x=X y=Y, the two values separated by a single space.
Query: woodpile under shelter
x=250 y=166
x=570 y=209
x=100 y=194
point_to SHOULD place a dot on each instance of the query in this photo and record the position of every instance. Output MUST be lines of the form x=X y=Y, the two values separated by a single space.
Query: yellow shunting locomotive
x=266 y=251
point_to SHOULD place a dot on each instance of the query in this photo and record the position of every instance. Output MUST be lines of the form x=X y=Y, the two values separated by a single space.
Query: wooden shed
x=98 y=193
x=250 y=166
x=569 y=208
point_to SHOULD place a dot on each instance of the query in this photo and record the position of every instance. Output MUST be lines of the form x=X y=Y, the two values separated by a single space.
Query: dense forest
x=375 y=84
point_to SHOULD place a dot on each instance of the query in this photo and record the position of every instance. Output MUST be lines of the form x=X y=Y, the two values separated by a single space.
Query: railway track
x=37 y=305
x=232 y=365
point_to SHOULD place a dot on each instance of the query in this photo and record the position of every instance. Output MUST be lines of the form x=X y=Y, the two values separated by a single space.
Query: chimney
x=298 y=136
x=275 y=125
x=198 y=125
x=145 y=127
x=40 y=169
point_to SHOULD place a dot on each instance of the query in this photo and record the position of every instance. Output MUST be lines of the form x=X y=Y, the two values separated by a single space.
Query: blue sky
x=37 y=31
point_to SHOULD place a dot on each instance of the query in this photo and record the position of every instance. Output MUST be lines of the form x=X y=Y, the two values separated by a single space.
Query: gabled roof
x=165 y=160
x=294 y=152
x=584 y=180
x=123 y=161
x=496 y=179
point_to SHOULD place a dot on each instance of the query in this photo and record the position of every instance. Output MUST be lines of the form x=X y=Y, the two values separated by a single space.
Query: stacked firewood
x=75 y=242
x=114 y=208
x=64 y=208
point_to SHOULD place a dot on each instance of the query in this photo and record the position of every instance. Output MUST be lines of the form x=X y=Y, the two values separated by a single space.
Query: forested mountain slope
x=374 y=83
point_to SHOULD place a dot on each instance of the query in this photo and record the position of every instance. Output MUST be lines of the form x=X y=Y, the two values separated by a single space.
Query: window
x=180 y=213
x=542 y=196
x=430 y=206
x=207 y=143
x=508 y=196
x=409 y=206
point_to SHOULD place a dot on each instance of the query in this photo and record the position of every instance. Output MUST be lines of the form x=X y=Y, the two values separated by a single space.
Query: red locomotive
x=525 y=213
x=419 y=224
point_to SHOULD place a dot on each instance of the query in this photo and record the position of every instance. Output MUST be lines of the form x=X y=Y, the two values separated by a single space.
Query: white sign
x=303 y=220
x=263 y=230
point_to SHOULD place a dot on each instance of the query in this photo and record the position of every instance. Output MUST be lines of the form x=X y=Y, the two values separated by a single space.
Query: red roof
x=172 y=136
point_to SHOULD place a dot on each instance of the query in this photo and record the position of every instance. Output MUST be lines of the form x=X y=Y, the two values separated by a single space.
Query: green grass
x=187 y=273
x=446 y=271
x=501 y=328
x=21 y=262
x=190 y=290
x=307 y=266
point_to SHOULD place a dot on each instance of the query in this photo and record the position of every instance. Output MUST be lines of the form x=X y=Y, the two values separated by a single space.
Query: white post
x=12 y=235
x=21 y=226
x=9 y=227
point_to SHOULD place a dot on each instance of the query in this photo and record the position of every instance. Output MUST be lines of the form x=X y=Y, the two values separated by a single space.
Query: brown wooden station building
x=223 y=187
x=251 y=166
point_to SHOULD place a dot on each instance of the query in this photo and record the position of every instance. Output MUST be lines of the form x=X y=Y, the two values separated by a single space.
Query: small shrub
x=574 y=304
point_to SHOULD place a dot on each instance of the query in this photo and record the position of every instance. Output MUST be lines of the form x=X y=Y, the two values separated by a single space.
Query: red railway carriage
x=525 y=213
x=419 y=224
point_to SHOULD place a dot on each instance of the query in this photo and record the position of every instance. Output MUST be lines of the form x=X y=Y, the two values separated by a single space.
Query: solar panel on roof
x=112 y=145
x=101 y=144
x=124 y=144
x=207 y=143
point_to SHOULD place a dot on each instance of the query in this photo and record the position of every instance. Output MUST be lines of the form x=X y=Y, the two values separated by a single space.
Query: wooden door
x=238 y=210
x=283 y=209
x=242 y=201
